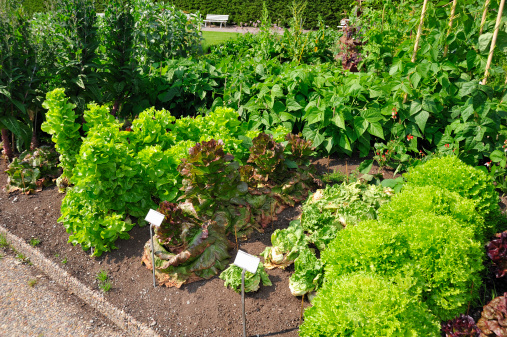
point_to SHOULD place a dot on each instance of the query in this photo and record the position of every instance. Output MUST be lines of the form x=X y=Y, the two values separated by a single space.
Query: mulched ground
x=203 y=308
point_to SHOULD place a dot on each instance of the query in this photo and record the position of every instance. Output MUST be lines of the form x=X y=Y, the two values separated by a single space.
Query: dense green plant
x=336 y=207
x=232 y=278
x=286 y=244
x=452 y=174
x=436 y=252
x=365 y=304
x=61 y=125
x=368 y=246
x=308 y=273
x=116 y=31
x=163 y=32
x=432 y=199
x=18 y=78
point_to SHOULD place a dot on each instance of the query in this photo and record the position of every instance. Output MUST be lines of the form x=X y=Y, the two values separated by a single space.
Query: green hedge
x=332 y=11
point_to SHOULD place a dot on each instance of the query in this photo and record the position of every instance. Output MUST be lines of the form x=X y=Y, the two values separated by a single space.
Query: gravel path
x=33 y=305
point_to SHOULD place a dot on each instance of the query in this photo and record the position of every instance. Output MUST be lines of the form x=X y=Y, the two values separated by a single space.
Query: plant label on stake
x=155 y=219
x=249 y=263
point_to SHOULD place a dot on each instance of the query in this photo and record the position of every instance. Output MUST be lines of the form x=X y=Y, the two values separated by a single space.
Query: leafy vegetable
x=308 y=273
x=461 y=326
x=267 y=156
x=286 y=246
x=232 y=278
x=363 y=304
x=493 y=318
x=60 y=123
x=497 y=252
x=187 y=247
x=452 y=174
x=431 y=199
x=33 y=170
x=338 y=206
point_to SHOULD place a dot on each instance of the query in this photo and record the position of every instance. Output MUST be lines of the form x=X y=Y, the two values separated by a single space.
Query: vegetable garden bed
x=198 y=309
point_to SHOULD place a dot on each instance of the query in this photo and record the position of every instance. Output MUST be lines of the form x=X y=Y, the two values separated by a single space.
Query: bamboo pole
x=418 y=37
x=453 y=10
x=484 y=14
x=493 y=42
x=419 y=31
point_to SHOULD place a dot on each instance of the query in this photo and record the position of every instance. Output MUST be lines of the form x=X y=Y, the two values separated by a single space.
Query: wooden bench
x=216 y=18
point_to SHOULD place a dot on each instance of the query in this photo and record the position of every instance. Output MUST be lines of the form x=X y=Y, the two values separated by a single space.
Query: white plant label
x=154 y=217
x=246 y=261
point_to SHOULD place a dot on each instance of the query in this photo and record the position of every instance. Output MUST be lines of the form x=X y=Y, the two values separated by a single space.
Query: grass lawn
x=212 y=38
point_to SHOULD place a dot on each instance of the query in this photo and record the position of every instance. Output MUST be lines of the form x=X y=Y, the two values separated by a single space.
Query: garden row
x=397 y=264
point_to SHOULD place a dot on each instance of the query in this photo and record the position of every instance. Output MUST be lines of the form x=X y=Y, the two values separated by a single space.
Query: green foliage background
x=332 y=11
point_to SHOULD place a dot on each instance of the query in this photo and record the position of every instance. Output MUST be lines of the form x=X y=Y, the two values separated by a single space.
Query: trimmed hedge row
x=240 y=11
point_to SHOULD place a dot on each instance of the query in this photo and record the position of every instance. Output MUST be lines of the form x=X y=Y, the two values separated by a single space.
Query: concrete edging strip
x=93 y=298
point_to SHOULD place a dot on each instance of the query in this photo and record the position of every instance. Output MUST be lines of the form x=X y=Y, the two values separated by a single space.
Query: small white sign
x=154 y=217
x=246 y=261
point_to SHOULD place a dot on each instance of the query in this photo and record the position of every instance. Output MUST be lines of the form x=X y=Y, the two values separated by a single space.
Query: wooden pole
x=484 y=14
x=493 y=42
x=419 y=31
x=418 y=37
x=453 y=10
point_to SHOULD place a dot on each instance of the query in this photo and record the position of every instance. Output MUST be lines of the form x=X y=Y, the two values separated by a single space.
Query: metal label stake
x=249 y=263
x=155 y=219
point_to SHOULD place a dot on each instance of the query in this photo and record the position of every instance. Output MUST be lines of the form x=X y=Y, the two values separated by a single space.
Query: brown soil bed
x=202 y=308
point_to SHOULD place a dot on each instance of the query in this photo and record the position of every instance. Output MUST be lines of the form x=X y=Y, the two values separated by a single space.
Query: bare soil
x=202 y=308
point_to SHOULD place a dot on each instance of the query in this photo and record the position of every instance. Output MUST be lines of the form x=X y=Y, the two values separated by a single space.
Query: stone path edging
x=93 y=298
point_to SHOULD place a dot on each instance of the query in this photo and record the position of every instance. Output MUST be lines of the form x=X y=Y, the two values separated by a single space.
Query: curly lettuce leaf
x=232 y=278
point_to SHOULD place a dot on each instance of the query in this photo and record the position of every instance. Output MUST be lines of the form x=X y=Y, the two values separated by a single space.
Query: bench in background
x=216 y=18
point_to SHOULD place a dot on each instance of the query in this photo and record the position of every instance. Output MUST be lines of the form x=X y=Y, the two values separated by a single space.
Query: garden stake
x=236 y=235
x=471 y=291
x=152 y=256
x=493 y=42
x=302 y=303
x=243 y=300
x=453 y=10
x=484 y=14
x=417 y=38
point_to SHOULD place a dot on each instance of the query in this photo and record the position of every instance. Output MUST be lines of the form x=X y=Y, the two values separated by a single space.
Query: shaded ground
x=203 y=308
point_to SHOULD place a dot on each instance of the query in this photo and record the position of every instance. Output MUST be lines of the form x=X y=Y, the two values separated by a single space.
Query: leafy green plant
x=330 y=210
x=286 y=246
x=34 y=242
x=432 y=199
x=32 y=283
x=232 y=278
x=369 y=305
x=308 y=273
x=452 y=174
x=60 y=124
x=3 y=241
x=103 y=281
